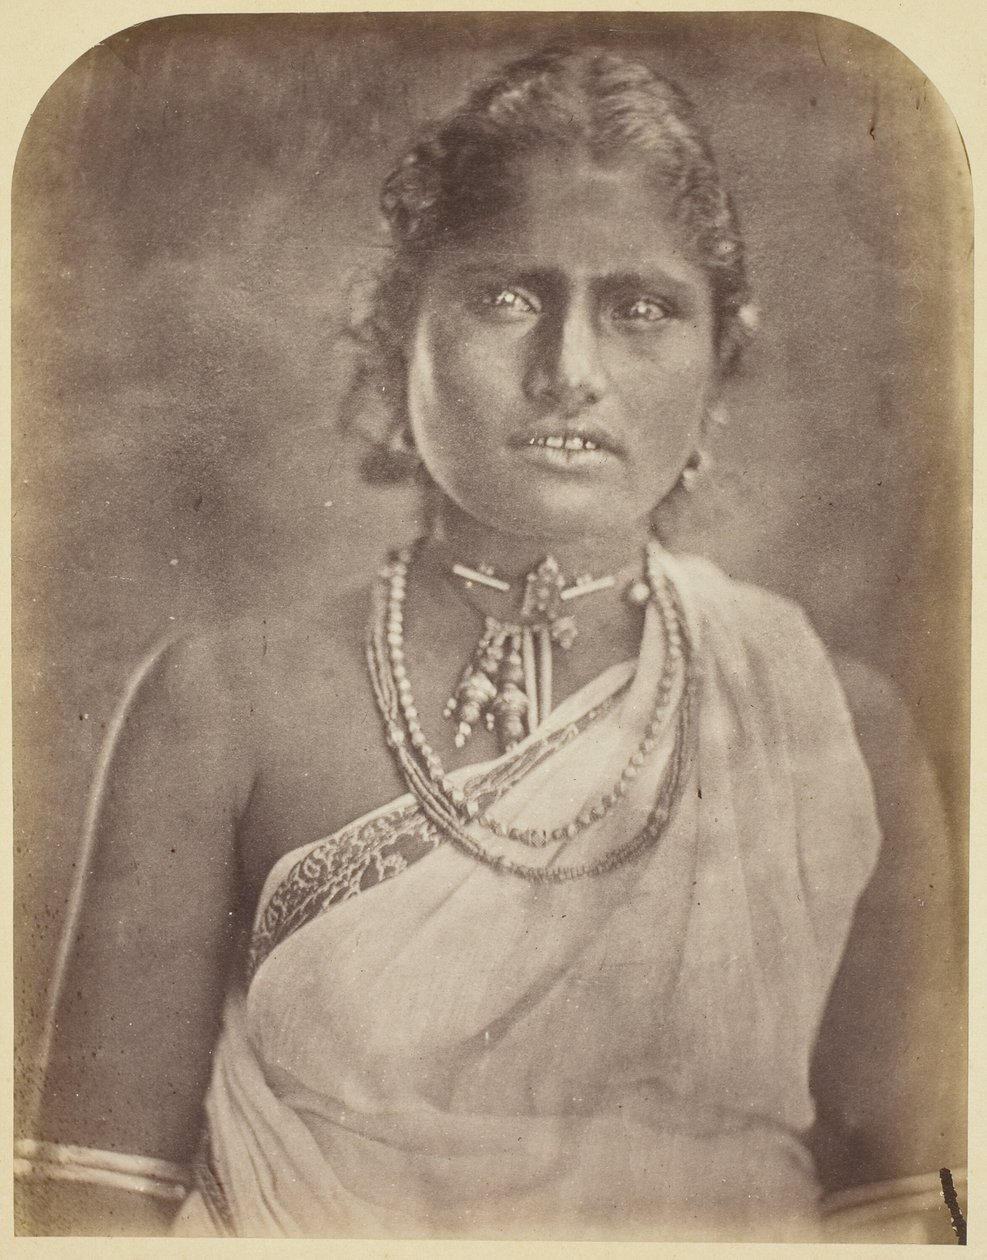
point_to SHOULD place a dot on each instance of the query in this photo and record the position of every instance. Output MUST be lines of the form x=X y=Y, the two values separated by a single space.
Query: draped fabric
x=427 y=1047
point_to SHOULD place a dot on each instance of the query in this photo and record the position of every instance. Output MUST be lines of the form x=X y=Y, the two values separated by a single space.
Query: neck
x=467 y=541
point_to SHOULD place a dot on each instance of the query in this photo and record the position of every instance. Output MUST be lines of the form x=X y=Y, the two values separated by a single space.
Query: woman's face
x=563 y=356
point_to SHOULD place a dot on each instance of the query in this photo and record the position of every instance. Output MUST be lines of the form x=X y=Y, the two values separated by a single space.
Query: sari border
x=210 y=1188
x=386 y=842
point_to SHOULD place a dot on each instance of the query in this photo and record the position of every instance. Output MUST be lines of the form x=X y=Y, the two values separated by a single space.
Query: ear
x=735 y=335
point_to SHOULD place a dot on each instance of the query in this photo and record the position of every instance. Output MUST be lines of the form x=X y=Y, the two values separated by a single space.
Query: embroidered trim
x=210 y=1188
x=365 y=854
x=337 y=869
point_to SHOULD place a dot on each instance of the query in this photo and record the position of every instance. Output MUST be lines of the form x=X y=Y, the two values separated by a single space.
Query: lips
x=558 y=442
x=572 y=441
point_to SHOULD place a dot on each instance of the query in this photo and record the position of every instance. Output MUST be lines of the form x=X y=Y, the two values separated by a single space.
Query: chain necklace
x=452 y=810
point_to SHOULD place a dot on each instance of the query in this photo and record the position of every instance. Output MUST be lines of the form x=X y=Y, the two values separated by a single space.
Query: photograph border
x=949 y=44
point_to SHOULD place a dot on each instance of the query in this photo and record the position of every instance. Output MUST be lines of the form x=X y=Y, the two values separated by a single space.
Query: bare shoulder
x=888 y=1068
x=878 y=707
x=229 y=670
x=919 y=866
x=244 y=651
x=305 y=716
x=905 y=786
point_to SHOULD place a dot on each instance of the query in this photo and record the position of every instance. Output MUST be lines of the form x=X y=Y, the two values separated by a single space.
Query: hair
x=456 y=176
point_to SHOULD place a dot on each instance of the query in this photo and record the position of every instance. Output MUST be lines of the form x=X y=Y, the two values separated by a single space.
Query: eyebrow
x=644 y=280
x=556 y=279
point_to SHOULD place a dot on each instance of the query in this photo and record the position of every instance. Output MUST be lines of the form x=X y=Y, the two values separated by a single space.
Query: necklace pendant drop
x=477 y=688
x=510 y=705
x=543 y=587
x=507 y=683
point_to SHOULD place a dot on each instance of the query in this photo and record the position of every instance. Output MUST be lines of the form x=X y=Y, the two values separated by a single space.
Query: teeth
x=572 y=442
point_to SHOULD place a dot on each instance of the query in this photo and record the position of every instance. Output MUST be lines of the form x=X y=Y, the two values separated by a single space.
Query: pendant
x=492 y=687
x=508 y=681
x=543 y=587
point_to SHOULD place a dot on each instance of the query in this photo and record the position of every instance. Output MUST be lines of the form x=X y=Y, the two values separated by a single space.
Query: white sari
x=427 y=1047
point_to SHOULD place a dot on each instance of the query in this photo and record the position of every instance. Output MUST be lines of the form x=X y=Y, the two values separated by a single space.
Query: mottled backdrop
x=190 y=199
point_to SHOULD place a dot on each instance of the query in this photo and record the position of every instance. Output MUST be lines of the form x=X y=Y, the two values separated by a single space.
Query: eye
x=643 y=311
x=506 y=303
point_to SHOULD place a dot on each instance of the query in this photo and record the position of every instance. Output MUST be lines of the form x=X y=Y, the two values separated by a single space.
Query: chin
x=553 y=510
x=551 y=522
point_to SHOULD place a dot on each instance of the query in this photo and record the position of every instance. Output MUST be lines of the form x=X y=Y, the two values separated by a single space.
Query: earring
x=393 y=460
x=697 y=462
x=718 y=415
x=402 y=454
x=749 y=317
x=400 y=441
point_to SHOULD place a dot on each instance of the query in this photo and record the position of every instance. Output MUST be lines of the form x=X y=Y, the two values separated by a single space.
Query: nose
x=567 y=370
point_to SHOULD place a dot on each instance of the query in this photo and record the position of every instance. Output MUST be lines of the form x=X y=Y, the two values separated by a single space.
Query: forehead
x=580 y=219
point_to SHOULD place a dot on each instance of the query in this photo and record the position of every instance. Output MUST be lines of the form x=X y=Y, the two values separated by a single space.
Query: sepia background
x=191 y=201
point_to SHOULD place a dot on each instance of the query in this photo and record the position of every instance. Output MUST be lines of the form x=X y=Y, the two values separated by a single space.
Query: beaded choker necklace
x=456 y=814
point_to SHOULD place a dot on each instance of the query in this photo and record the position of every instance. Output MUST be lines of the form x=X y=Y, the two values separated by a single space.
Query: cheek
x=672 y=387
x=457 y=383
x=447 y=383
x=429 y=409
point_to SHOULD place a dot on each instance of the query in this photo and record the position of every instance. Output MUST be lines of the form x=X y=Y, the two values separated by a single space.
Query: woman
x=522 y=917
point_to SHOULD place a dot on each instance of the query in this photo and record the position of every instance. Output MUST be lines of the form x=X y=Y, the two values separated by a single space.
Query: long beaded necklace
x=452 y=810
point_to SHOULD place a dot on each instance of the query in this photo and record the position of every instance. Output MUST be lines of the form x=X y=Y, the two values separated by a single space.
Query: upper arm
x=889 y=1066
x=141 y=996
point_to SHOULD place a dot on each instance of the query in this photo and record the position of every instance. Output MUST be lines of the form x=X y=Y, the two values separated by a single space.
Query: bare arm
x=141 y=997
x=889 y=1071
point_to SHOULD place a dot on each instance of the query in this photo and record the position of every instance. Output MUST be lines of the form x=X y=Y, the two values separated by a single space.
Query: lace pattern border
x=206 y=1181
x=368 y=853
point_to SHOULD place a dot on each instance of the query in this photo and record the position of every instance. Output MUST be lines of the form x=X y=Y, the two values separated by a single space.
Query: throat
x=459 y=538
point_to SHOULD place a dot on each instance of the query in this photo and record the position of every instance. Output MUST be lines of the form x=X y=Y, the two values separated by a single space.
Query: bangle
x=903 y=1202
x=141 y=1174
